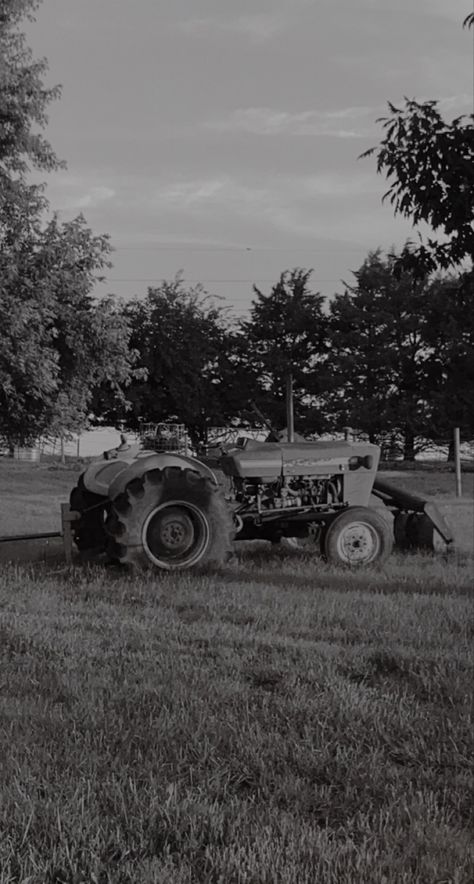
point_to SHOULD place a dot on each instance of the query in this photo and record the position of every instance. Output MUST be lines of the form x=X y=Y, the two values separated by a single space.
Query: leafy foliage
x=431 y=164
x=56 y=343
x=450 y=338
x=185 y=346
x=23 y=99
x=286 y=335
x=379 y=353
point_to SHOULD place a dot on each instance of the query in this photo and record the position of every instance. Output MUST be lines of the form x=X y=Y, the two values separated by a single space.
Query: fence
x=427 y=452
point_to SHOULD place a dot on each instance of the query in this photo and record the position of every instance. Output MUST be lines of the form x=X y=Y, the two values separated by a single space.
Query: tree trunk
x=450 y=457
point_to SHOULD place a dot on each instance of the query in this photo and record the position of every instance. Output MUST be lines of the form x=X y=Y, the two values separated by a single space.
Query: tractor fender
x=145 y=463
x=109 y=477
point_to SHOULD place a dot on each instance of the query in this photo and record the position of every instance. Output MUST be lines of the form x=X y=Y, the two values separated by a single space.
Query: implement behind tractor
x=170 y=511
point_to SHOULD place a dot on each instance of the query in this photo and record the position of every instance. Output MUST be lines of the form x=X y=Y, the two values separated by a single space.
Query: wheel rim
x=358 y=543
x=175 y=535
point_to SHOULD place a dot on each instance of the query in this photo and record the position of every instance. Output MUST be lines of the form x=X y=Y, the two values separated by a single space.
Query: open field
x=267 y=722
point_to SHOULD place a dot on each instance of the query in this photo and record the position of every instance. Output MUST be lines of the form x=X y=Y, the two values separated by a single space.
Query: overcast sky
x=222 y=137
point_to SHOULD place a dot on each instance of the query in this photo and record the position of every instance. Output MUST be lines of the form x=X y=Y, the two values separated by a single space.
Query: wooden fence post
x=457 y=461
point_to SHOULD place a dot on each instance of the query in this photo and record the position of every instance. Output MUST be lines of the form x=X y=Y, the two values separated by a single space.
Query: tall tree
x=56 y=343
x=450 y=337
x=286 y=337
x=184 y=343
x=379 y=354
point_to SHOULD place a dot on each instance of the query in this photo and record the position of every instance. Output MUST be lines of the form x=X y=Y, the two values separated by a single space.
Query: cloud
x=94 y=197
x=454 y=10
x=337 y=123
x=69 y=193
x=456 y=102
x=278 y=197
x=199 y=194
x=258 y=27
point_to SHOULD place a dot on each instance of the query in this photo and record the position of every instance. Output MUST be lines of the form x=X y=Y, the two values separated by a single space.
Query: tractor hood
x=270 y=460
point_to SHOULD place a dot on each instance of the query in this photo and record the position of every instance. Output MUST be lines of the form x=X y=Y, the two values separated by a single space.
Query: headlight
x=356 y=462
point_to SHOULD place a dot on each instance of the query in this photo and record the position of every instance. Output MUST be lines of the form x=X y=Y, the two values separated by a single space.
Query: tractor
x=170 y=511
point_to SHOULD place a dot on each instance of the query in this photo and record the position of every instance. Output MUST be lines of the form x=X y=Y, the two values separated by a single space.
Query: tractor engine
x=284 y=493
x=274 y=476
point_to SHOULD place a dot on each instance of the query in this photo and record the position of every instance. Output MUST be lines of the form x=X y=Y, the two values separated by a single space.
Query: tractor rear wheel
x=358 y=536
x=171 y=519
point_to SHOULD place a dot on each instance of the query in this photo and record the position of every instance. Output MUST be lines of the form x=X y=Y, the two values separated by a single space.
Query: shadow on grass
x=431 y=574
x=33 y=551
x=376 y=582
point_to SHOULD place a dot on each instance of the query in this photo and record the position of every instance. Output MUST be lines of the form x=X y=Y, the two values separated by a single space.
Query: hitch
x=68 y=516
x=404 y=501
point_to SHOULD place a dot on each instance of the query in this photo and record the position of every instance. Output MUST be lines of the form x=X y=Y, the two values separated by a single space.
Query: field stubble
x=268 y=722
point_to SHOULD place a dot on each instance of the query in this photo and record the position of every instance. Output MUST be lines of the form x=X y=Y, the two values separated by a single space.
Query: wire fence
x=173 y=436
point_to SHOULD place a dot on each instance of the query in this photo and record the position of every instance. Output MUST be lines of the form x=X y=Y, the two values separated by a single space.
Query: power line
x=209 y=281
x=279 y=249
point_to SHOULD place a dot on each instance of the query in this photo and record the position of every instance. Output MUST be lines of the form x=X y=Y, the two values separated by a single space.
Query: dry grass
x=270 y=722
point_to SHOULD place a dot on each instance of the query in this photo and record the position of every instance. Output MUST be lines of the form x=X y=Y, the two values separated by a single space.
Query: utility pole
x=290 y=421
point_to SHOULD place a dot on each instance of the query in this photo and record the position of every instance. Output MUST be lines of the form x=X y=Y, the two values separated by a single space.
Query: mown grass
x=31 y=494
x=270 y=722
x=431 y=483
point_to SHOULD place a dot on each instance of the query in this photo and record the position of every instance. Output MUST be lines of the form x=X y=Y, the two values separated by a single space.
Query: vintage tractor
x=170 y=511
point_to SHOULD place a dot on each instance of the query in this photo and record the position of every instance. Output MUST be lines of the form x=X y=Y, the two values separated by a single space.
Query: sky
x=222 y=138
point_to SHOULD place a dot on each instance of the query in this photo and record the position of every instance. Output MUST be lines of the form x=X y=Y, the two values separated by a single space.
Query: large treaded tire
x=358 y=536
x=89 y=531
x=171 y=519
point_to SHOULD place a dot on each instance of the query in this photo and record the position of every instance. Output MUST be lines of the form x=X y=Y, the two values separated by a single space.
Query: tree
x=379 y=354
x=184 y=342
x=431 y=164
x=24 y=100
x=431 y=167
x=56 y=342
x=450 y=337
x=285 y=337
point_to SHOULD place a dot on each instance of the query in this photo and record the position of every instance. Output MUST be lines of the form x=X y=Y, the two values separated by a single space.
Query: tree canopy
x=430 y=166
x=401 y=355
x=24 y=100
x=286 y=336
x=379 y=352
x=56 y=342
x=185 y=345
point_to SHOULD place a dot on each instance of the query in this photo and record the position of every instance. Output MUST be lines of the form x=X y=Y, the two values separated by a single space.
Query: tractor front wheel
x=171 y=519
x=358 y=536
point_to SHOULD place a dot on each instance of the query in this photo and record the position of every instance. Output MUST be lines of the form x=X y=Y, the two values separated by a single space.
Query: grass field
x=269 y=722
